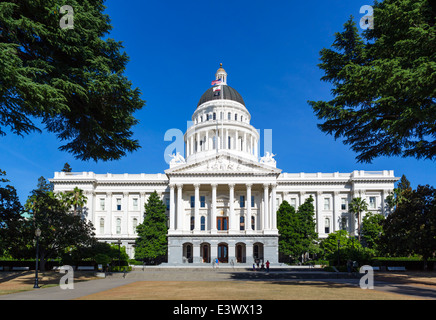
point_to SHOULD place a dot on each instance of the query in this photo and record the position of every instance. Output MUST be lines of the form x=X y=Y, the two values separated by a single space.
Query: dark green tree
x=296 y=229
x=411 y=228
x=396 y=197
x=289 y=228
x=383 y=82
x=70 y=79
x=67 y=167
x=306 y=216
x=151 y=244
x=10 y=214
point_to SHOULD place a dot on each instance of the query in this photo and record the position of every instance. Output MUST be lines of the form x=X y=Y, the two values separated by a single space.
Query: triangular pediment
x=223 y=163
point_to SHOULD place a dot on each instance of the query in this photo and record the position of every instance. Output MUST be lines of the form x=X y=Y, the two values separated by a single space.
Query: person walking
x=267 y=265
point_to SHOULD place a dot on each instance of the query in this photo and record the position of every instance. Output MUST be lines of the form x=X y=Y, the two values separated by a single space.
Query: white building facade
x=223 y=198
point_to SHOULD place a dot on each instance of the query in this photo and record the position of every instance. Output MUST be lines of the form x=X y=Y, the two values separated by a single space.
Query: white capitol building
x=222 y=199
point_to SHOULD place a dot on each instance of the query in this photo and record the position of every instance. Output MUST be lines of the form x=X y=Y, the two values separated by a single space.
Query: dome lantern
x=221 y=74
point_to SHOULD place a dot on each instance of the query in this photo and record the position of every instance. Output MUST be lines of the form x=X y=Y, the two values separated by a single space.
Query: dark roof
x=228 y=93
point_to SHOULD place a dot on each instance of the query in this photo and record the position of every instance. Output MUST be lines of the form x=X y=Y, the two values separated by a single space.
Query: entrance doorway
x=240 y=253
x=205 y=252
x=223 y=253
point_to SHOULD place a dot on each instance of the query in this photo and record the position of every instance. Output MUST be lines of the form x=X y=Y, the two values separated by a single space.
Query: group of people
x=262 y=266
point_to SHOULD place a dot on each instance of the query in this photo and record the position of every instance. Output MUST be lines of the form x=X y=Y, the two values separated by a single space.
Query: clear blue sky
x=270 y=50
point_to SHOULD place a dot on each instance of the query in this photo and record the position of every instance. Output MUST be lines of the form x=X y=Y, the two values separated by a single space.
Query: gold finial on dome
x=221 y=74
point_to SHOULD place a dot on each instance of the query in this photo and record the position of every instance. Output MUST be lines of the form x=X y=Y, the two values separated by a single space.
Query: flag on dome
x=216 y=82
x=217 y=88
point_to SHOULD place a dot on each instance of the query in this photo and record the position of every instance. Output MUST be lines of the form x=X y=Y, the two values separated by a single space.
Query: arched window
x=203 y=223
x=229 y=116
x=118 y=231
x=236 y=117
x=229 y=146
x=207 y=117
x=214 y=116
x=192 y=223
x=101 y=225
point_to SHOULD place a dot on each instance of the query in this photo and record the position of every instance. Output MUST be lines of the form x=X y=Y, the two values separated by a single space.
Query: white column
x=248 y=204
x=273 y=213
x=197 y=207
x=125 y=217
x=213 y=213
x=141 y=206
x=90 y=195
x=244 y=143
x=191 y=145
x=266 y=205
x=232 y=216
x=172 y=209
x=179 y=207
x=206 y=147
x=318 y=210
x=109 y=213
x=336 y=210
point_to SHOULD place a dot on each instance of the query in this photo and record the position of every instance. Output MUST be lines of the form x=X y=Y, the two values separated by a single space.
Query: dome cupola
x=220 y=123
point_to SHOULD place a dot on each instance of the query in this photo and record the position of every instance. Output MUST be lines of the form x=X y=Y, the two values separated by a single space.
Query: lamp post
x=119 y=254
x=37 y=234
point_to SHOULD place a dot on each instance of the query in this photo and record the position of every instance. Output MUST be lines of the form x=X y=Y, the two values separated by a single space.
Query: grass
x=241 y=290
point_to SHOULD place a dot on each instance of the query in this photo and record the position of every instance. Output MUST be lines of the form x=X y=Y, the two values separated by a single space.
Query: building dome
x=227 y=92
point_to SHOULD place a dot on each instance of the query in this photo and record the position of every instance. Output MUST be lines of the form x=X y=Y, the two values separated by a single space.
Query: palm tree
x=357 y=207
x=75 y=198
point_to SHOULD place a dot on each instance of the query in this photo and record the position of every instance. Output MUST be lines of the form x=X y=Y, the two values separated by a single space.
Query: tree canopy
x=296 y=229
x=70 y=79
x=384 y=93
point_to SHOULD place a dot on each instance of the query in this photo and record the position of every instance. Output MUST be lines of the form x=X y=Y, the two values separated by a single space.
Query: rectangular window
x=202 y=201
x=327 y=225
x=294 y=203
x=372 y=203
x=252 y=201
x=102 y=204
x=192 y=201
x=222 y=223
x=118 y=204
x=242 y=201
x=167 y=203
x=326 y=203
x=344 y=204
x=135 y=204
x=344 y=223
